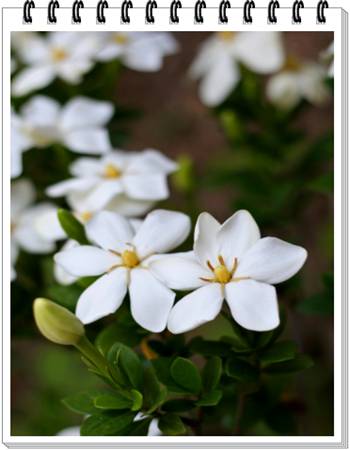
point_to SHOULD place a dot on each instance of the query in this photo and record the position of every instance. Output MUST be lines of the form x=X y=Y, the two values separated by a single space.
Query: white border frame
x=337 y=21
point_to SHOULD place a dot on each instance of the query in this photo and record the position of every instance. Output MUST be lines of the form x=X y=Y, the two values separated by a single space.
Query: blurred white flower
x=66 y=55
x=29 y=230
x=217 y=64
x=79 y=125
x=230 y=261
x=138 y=51
x=327 y=56
x=126 y=182
x=70 y=431
x=122 y=256
x=296 y=81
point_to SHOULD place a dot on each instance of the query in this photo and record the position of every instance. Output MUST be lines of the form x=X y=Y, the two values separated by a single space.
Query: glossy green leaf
x=186 y=375
x=154 y=392
x=278 y=352
x=82 y=402
x=73 y=228
x=113 y=401
x=123 y=357
x=241 y=370
x=300 y=362
x=106 y=425
x=211 y=398
x=211 y=373
x=171 y=425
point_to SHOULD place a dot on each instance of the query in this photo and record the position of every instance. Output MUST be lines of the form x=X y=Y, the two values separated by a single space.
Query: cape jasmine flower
x=126 y=182
x=298 y=80
x=232 y=262
x=65 y=55
x=217 y=63
x=121 y=257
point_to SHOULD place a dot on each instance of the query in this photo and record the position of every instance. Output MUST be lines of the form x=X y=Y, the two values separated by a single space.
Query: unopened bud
x=56 y=323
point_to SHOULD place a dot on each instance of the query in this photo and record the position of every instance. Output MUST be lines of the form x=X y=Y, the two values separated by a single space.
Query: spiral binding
x=175 y=5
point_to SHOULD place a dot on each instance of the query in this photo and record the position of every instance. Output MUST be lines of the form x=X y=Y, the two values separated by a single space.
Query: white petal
x=129 y=207
x=31 y=79
x=97 y=198
x=253 y=305
x=47 y=225
x=271 y=260
x=312 y=83
x=85 y=167
x=32 y=48
x=150 y=300
x=219 y=81
x=146 y=187
x=237 y=235
x=261 y=52
x=103 y=297
x=161 y=231
x=151 y=161
x=22 y=196
x=283 y=90
x=86 y=260
x=94 y=141
x=70 y=431
x=83 y=112
x=110 y=231
x=41 y=111
x=71 y=185
x=196 y=308
x=205 y=233
x=180 y=273
x=61 y=276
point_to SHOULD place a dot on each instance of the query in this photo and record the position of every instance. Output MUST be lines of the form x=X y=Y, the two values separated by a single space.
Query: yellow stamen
x=120 y=38
x=58 y=54
x=222 y=274
x=292 y=64
x=226 y=36
x=86 y=216
x=209 y=264
x=146 y=350
x=130 y=259
x=111 y=171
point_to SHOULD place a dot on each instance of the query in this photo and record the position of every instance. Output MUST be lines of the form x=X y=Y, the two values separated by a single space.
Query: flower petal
x=71 y=185
x=196 y=308
x=272 y=261
x=103 y=192
x=283 y=90
x=22 y=195
x=83 y=112
x=237 y=235
x=31 y=79
x=150 y=300
x=85 y=167
x=103 y=297
x=161 y=231
x=146 y=186
x=86 y=260
x=61 y=276
x=206 y=230
x=253 y=305
x=129 y=207
x=110 y=231
x=41 y=111
x=178 y=272
x=151 y=161
x=94 y=141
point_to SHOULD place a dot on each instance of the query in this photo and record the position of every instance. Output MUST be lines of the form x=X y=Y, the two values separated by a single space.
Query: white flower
x=138 y=51
x=66 y=55
x=28 y=223
x=79 y=125
x=296 y=81
x=230 y=261
x=122 y=256
x=327 y=56
x=125 y=182
x=217 y=64
x=70 y=431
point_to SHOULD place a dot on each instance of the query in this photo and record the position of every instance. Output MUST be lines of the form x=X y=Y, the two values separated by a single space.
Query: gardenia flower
x=138 y=51
x=125 y=182
x=122 y=256
x=27 y=231
x=79 y=125
x=217 y=64
x=327 y=56
x=66 y=55
x=296 y=81
x=231 y=262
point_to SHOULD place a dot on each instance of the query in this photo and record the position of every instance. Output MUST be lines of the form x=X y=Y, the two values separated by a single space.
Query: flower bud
x=56 y=323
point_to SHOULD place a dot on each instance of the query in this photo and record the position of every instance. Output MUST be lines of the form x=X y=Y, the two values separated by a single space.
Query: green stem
x=93 y=355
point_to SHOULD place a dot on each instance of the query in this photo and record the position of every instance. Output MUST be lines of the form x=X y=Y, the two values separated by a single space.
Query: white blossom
x=79 y=125
x=217 y=64
x=125 y=182
x=28 y=223
x=327 y=57
x=297 y=81
x=136 y=50
x=122 y=256
x=65 y=55
x=232 y=262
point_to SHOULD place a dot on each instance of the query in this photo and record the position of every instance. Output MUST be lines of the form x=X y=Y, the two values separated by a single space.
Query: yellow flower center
x=130 y=259
x=58 y=54
x=222 y=274
x=120 y=38
x=292 y=64
x=227 y=36
x=85 y=216
x=111 y=171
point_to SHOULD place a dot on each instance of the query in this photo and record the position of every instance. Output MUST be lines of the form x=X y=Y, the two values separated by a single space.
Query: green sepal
x=73 y=228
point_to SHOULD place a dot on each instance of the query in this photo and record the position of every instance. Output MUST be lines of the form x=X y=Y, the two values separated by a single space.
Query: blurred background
x=280 y=169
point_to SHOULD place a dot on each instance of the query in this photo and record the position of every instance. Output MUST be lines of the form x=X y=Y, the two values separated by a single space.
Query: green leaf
x=106 y=425
x=186 y=375
x=113 y=401
x=138 y=428
x=82 y=402
x=300 y=362
x=241 y=370
x=154 y=392
x=127 y=359
x=211 y=373
x=210 y=398
x=73 y=228
x=278 y=352
x=66 y=296
x=171 y=425
x=178 y=405
x=118 y=332
x=209 y=348
x=162 y=367
x=137 y=400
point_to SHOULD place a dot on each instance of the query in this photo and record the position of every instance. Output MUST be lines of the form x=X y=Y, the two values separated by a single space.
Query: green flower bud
x=56 y=323
x=184 y=177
